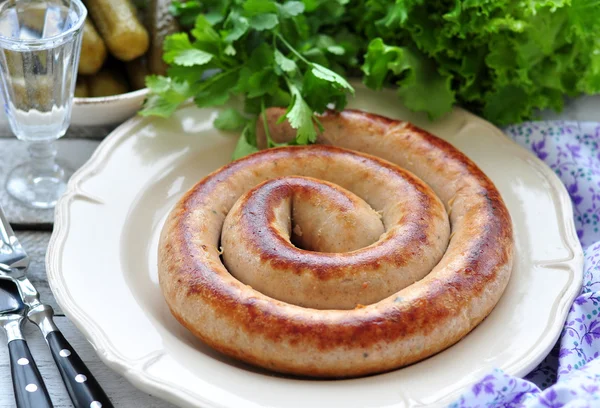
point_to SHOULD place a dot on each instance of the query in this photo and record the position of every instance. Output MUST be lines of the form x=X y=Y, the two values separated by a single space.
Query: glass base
x=38 y=188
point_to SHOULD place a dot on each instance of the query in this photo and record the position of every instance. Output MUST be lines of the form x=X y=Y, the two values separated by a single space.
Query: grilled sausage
x=409 y=294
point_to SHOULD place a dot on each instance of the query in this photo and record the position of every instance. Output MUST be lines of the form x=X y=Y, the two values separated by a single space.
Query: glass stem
x=43 y=156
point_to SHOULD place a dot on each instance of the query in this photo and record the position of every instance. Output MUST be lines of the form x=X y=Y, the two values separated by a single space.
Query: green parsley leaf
x=214 y=17
x=189 y=58
x=319 y=93
x=185 y=74
x=311 y=5
x=185 y=11
x=207 y=38
x=316 y=56
x=240 y=26
x=247 y=142
x=230 y=119
x=230 y=50
x=336 y=49
x=216 y=90
x=257 y=77
x=165 y=96
x=286 y=64
x=261 y=83
x=278 y=97
x=158 y=84
x=328 y=75
x=175 y=44
x=300 y=117
x=263 y=22
x=254 y=7
x=157 y=105
x=291 y=9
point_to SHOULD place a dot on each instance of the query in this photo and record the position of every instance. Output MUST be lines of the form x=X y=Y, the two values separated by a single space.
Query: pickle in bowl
x=107 y=82
x=119 y=26
x=123 y=44
x=93 y=50
x=82 y=87
x=137 y=70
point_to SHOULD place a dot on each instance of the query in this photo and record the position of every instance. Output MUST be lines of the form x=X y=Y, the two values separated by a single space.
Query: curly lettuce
x=503 y=59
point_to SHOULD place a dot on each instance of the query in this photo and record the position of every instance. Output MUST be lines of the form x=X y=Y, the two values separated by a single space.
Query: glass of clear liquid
x=40 y=42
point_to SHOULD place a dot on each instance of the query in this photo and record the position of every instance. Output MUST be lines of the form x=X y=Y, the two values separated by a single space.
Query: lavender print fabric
x=570 y=374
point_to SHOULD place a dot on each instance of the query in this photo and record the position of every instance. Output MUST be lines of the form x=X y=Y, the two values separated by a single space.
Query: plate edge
x=140 y=378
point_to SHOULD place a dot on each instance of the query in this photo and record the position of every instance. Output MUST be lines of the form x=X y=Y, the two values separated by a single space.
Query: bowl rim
x=112 y=98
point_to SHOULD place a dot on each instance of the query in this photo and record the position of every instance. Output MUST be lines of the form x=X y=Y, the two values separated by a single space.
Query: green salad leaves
x=503 y=59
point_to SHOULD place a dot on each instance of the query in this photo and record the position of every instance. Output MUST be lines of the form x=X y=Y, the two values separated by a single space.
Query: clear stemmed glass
x=40 y=42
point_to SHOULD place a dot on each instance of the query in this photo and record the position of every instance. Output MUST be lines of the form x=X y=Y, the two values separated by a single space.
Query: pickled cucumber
x=137 y=71
x=107 y=82
x=117 y=22
x=93 y=50
x=82 y=87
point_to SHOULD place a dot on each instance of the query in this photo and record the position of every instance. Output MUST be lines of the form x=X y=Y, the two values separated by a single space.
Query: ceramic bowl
x=107 y=110
x=100 y=112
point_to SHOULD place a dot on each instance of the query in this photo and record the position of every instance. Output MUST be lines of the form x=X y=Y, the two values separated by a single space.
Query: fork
x=84 y=390
x=28 y=385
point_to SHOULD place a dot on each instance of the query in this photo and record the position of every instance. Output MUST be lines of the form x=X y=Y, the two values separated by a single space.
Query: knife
x=84 y=390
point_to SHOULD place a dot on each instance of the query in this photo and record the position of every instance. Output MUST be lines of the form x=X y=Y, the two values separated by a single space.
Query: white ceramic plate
x=102 y=269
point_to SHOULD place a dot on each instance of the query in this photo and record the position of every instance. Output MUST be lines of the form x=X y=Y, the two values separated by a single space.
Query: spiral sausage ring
x=378 y=247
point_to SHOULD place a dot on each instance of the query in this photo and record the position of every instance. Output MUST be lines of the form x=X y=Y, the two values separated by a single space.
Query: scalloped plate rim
x=142 y=380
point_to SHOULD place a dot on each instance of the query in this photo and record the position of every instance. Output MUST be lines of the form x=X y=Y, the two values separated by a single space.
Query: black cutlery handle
x=30 y=390
x=84 y=390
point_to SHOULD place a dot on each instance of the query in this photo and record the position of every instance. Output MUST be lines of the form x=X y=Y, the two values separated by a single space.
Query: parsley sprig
x=266 y=52
x=503 y=59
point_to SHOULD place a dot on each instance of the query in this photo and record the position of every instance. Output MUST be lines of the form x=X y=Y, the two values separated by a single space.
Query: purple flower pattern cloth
x=570 y=375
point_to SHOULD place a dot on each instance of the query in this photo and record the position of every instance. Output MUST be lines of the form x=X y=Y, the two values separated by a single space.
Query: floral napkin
x=570 y=374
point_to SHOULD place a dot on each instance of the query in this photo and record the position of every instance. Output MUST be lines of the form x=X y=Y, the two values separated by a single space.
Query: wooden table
x=34 y=228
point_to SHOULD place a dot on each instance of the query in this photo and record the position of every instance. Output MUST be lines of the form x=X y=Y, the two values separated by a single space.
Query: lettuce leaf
x=504 y=59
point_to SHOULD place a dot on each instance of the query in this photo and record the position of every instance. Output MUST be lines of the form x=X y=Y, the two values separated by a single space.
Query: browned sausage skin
x=411 y=324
